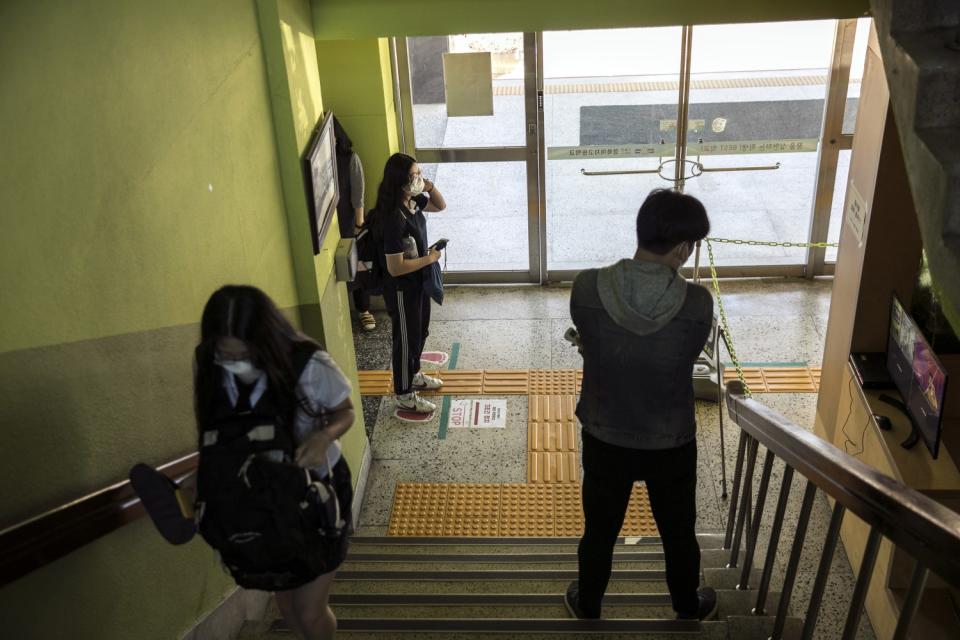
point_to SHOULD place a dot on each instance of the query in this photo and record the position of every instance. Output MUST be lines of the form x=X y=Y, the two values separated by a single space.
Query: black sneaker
x=572 y=600
x=707 y=606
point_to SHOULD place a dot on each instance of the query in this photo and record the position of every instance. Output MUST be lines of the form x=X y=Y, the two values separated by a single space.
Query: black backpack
x=274 y=526
x=369 y=241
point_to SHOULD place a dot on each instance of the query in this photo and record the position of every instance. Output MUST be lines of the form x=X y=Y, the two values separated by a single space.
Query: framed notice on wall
x=320 y=176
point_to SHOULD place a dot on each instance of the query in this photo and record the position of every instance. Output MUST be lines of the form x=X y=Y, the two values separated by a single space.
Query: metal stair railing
x=922 y=527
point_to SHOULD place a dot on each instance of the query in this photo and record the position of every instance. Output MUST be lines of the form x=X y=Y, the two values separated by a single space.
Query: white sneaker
x=413 y=402
x=423 y=382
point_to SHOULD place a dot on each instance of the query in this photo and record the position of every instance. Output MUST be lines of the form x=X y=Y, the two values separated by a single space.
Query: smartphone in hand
x=440 y=244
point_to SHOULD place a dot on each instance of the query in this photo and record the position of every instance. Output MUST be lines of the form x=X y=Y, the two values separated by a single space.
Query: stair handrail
x=40 y=540
x=925 y=529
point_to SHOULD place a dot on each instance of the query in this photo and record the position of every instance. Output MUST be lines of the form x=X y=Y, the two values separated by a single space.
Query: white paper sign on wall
x=856 y=213
x=478 y=414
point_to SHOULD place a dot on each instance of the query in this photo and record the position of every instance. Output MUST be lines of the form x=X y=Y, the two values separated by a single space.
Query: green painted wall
x=348 y=19
x=140 y=171
x=293 y=67
x=358 y=86
x=117 y=117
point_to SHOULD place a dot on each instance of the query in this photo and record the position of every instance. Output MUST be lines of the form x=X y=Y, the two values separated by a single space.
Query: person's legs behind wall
x=607 y=484
x=405 y=309
x=360 y=291
x=671 y=477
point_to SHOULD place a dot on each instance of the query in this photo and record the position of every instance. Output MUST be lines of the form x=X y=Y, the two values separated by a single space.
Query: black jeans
x=410 y=319
x=609 y=472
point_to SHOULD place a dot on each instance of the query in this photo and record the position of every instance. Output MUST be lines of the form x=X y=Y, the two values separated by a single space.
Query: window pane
x=432 y=127
x=486 y=215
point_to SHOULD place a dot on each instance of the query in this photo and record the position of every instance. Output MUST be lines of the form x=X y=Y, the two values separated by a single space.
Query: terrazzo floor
x=522 y=327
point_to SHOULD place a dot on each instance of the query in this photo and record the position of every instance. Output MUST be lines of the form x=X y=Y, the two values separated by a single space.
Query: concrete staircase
x=921 y=55
x=464 y=588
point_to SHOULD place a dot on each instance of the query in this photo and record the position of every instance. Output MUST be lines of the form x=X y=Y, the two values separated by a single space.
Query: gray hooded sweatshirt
x=641 y=327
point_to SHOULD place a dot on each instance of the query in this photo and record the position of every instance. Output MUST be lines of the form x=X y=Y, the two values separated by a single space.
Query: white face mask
x=243 y=369
x=415 y=188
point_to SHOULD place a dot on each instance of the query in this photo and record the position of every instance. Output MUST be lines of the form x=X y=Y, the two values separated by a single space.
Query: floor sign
x=478 y=414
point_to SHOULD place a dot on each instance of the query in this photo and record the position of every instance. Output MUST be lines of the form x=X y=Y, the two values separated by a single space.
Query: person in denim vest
x=641 y=328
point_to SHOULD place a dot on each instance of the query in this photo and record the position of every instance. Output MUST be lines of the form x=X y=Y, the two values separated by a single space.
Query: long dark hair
x=248 y=314
x=344 y=146
x=396 y=175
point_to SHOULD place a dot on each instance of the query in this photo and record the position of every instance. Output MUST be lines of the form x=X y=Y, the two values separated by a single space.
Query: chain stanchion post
x=723 y=447
x=723 y=322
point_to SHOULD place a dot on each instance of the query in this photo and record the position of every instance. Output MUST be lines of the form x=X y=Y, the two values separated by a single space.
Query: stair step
x=734 y=602
x=507 y=605
x=490 y=561
x=499 y=612
x=402 y=560
x=917 y=15
x=937 y=71
x=449 y=545
x=722 y=578
x=491 y=582
x=538 y=629
x=760 y=627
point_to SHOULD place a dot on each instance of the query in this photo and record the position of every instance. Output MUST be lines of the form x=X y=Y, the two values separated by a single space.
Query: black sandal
x=161 y=498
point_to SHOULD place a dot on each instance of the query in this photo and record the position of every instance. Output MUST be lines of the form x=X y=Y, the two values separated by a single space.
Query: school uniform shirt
x=321 y=384
x=404 y=230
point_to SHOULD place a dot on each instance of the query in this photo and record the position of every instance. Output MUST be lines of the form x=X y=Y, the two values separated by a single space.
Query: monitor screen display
x=918 y=374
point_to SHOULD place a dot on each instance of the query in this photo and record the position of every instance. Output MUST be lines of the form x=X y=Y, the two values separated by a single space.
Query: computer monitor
x=919 y=376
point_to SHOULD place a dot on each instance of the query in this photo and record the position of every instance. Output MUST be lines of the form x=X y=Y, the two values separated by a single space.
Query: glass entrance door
x=466 y=105
x=753 y=98
x=565 y=133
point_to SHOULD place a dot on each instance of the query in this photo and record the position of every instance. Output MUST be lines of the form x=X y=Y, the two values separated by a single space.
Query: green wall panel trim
x=127 y=585
x=346 y=19
x=337 y=340
x=303 y=77
x=139 y=169
x=288 y=88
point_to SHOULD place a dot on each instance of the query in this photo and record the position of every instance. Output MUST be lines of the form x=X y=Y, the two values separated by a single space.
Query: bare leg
x=285 y=604
x=310 y=609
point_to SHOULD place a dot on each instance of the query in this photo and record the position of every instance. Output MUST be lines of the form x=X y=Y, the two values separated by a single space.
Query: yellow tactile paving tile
x=506 y=382
x=552 y=436
x=639 y=518
x=778 y=379
x=667 y=85
x=458 y=382
x=788 y=379
x=568 y=381
x=375 y=382
x=568 y=510
x=552 y=425
x=555 y=381
x=468 y=510
x=553 y=467
x=542 y=408
x=526 y=510
x=472 y=510
x=418 y=510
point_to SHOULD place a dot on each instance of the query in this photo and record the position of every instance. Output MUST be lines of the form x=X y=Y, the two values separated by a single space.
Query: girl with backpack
x=402 y=198
x=270 y=406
